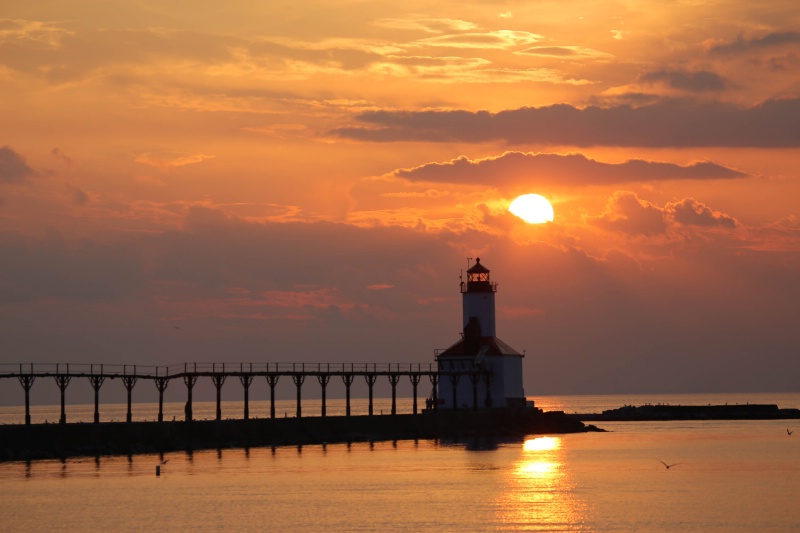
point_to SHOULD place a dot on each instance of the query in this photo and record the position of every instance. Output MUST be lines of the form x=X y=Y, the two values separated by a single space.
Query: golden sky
x=304 y=181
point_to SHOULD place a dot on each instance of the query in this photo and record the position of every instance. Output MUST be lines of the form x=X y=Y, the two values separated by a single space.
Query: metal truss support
x=97 y=382
x=371 y=378
x=189 y=380
x=348 y=380
x=435 y=391
x=298 y=382
x=129 y=382
x=27 y=383
x=393 y=379
x=414 y=382
x=246 y=380
x=219 y=380
x=324 y=379
x=161 y=385
x=272 y=379
x=487 y=378
x=475 y=378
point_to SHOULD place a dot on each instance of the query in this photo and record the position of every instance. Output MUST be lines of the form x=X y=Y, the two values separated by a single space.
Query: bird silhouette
x=789 y=431
x=666 y=465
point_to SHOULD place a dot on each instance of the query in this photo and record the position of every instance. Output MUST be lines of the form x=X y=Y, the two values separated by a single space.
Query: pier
x=245 y=373
x=482 y=422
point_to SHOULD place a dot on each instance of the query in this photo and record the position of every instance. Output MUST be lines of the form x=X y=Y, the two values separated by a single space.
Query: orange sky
x=304 y=182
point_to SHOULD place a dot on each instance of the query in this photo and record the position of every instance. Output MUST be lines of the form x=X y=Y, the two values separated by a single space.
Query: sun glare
x=532 y=208
x=541 y=444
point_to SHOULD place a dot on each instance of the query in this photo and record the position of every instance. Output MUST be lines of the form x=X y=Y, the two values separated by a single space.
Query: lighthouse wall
x=512 y=377
x=505 y=387
x=481 y=306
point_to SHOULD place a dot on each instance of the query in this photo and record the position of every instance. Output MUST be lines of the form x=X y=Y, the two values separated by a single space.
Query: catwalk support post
x=414 y=383
x=27 y=383
x=129 y=382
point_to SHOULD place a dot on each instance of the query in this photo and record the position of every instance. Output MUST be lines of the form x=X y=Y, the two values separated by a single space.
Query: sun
x=532 y=208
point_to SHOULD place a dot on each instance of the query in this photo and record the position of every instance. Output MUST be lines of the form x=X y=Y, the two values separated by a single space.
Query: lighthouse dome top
x=478 y=268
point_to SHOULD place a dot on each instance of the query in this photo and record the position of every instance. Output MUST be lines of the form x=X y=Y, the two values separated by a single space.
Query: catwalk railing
x=189 y=373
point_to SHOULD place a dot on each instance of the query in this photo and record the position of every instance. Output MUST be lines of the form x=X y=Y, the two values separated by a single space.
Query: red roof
x=494 y=347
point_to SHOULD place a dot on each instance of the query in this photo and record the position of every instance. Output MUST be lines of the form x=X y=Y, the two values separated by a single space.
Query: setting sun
x=532 y=208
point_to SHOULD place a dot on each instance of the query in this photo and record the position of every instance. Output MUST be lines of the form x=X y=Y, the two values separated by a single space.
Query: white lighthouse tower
x=480 y=370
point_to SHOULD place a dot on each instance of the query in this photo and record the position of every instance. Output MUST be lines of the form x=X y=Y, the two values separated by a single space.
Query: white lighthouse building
x=480 y=370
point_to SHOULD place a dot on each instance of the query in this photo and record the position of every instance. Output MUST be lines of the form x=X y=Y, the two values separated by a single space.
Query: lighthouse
x=480 y=368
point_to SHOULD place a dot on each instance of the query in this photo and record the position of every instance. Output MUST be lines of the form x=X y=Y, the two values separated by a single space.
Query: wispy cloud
x=483 y=40
x=169 y=160
x=692 y=81
x=428 y=25
x=743 y=45
x=566 y=52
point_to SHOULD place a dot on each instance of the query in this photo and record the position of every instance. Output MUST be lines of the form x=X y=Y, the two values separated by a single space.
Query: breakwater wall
x=690 y=412
x=48 y=441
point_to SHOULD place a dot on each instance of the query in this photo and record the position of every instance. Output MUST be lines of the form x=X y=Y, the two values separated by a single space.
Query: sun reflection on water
x=539 y=491
x=541 y=444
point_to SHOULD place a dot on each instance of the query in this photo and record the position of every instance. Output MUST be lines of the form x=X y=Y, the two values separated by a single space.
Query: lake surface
x=732 y=475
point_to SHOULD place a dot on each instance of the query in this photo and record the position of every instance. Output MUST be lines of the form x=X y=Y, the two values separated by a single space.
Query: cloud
x=78 y=195
x=13 y=168
x=743 y=45
x=62 y=55
x=165 y=161
x=690 y=212
x=481 y=40
x=52 y=269
x=565 y=52
x=667 y=123
x=61 y=156
x=380 y=287
x=453 y=69
x=625 y=212
x=179 y=68
x=428 y=25
x=571 y=169
x=696 y=82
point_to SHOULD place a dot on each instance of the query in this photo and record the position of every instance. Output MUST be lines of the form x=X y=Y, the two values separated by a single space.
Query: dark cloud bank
x=572 y=169
x=670 y=123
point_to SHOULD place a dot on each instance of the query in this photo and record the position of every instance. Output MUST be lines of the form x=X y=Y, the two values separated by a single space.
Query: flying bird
x=789 y=431
x=666 y=465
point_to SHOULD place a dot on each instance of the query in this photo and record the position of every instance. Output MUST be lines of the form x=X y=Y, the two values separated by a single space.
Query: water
x=732 y=475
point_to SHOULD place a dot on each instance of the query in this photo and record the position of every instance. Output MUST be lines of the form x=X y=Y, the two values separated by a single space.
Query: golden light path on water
x=540 y=493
